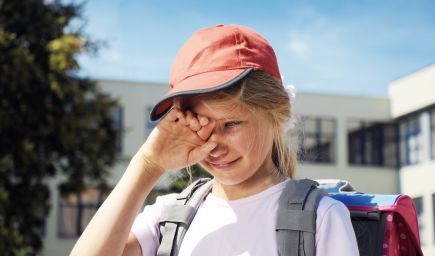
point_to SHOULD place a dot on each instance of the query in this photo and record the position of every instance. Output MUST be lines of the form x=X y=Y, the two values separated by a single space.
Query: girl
x=226 y=110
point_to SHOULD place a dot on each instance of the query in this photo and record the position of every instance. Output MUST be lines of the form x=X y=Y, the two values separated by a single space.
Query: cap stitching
x=238 y=49
x=224 y=68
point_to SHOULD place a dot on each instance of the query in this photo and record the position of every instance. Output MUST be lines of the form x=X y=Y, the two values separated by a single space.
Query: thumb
x=201 y=152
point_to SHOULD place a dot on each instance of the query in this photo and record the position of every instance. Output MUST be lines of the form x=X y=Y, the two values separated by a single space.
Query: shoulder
x=166 y=199
x=146 y=224
x=327 y=204
x=330 y=208
x=334 y=229
x=161 y=201
x=150 y=216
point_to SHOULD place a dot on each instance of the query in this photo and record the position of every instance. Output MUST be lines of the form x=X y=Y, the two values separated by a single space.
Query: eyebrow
x=228 y=118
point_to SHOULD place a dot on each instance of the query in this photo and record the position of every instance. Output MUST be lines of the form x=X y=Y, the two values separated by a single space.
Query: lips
x=222 y=165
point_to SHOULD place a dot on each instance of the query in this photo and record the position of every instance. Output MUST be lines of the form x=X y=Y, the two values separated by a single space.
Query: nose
x=221 y=149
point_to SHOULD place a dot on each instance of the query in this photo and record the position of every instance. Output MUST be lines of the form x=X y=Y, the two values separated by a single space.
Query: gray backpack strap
x=296 y=218
x=176 y=218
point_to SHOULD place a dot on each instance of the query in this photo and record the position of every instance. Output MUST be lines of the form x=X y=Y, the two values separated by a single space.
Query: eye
x=232 y=124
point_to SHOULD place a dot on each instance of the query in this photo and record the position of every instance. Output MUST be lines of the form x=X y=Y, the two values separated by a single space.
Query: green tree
x=187 y=176
x=52 y=121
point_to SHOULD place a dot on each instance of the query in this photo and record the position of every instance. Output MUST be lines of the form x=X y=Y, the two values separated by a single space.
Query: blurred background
x=78 y=81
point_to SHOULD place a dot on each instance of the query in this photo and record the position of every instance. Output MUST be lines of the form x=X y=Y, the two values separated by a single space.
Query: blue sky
x=341 y=47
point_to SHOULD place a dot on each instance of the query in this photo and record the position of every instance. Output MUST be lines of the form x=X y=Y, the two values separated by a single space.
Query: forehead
x=214 y=108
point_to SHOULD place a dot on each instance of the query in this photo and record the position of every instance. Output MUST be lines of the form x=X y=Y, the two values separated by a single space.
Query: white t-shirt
x=246 y=226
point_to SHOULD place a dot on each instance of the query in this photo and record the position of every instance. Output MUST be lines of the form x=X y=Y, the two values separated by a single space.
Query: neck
x=259 y=182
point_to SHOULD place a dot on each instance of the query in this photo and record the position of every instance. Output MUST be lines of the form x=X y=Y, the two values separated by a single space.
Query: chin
x=230 y=181
x=228 y=178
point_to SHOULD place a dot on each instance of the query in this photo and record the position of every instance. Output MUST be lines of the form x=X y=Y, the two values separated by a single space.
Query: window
x=371 y=143
x=118 y=120
x=75 y=212
x=149 y=125
x=410 y=140
x=318 y=140
x=418 y=202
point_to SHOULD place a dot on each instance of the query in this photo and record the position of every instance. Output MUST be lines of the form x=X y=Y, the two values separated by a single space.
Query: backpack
x=383 y=224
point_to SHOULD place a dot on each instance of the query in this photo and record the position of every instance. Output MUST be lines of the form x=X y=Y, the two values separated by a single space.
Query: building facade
x=413 y=108
x=381 y=145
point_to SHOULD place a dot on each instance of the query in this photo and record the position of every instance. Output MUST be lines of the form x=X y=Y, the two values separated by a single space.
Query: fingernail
x=203 y=121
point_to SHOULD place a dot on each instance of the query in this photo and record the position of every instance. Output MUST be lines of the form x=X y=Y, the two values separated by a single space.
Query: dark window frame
x=419 y=201
x=400 y=119
x=412 y=128
x=318 y=136
x=80 y=206
x=374 y=132
x=118 y=125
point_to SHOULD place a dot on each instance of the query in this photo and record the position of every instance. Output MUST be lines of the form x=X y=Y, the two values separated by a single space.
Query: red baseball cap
x=216 y=58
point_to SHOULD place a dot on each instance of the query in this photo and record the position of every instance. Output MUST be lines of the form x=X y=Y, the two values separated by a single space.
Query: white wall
x=409 y=94
x=419 y=181
x=53 y=245
x=134 y=97
x=413 y=92
x=366 y=179
x=369 y=180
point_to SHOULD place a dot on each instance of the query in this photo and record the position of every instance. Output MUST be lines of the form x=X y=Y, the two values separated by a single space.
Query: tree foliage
x=187 y=176
x=51 y=120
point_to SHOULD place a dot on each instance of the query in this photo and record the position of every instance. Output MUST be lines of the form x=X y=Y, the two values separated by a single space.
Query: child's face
x=244 y=138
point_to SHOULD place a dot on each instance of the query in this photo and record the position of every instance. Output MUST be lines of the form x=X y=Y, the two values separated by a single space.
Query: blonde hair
x=259 y=91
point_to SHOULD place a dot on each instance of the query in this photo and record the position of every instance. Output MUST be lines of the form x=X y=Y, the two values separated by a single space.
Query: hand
x=179 y=140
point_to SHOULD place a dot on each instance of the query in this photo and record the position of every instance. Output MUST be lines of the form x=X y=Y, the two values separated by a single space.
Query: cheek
x=241 y=142
x=262 y=144
x=254 y=145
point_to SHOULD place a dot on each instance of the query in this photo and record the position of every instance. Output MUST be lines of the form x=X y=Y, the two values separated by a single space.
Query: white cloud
x=325 y=56
x=298 y=47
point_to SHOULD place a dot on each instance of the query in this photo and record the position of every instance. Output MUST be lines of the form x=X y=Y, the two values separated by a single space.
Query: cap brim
x=198 y=84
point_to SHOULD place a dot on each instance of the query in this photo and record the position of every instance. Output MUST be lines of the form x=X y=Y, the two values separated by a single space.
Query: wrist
x=149 y=164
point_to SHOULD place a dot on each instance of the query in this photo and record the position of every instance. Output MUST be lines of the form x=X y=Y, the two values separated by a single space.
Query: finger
x=172 y=115
x=181 y=118
x=193 y=121
x=203 y=120
x=206 y=130
x=201 y=152
x=189 y=116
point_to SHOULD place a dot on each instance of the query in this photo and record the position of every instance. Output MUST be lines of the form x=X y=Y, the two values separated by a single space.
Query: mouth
x=222 y=165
